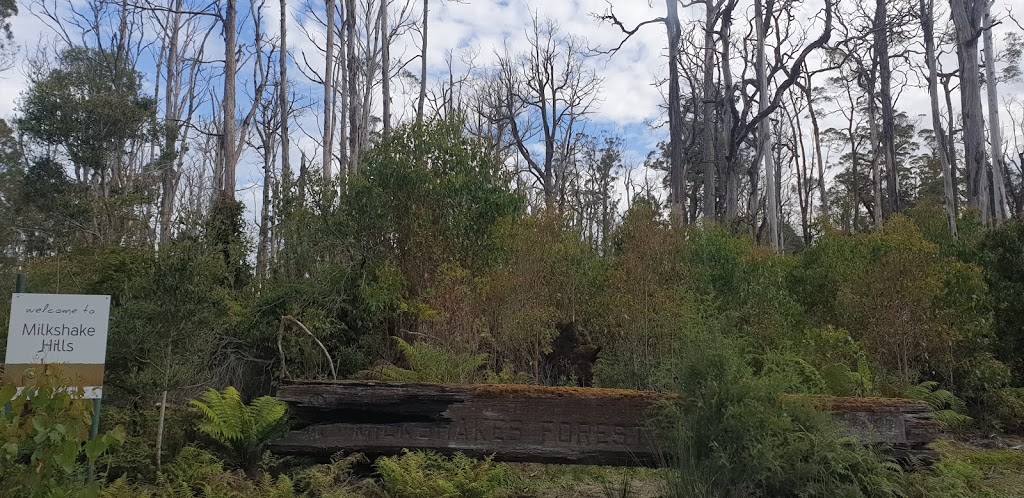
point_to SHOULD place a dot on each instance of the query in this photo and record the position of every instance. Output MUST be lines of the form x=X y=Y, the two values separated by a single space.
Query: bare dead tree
x=546 y=94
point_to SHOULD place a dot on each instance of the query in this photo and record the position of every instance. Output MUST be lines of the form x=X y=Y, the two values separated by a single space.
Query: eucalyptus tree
x=967 y=19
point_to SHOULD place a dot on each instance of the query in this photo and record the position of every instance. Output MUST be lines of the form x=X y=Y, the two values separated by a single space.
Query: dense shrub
x=733 y=434
x=44 y=439
x=916 y=312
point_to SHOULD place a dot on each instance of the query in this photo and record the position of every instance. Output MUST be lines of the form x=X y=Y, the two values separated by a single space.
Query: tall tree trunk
x=732 y=182
x=228 y=140
x=354 y=113
x=804 y=175
x=385 y=66
x=851 y=131
x=262 y=248
x=951 y=140
x=283 y=102
x=818 y=155
x=994 y=130
x=877 y=214
x=421 y=102
x=677 y=174
x=343 y=68
x=881 y=32
x=967 y=16
x=168 y=157
x=764 y=129
x=928 y=28
x=329 y=92
x=709 y=155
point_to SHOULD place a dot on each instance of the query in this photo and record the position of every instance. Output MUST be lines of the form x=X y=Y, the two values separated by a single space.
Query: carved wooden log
x=530 y=423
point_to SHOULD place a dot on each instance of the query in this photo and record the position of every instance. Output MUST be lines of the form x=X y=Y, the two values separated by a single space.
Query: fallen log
x=532 y=423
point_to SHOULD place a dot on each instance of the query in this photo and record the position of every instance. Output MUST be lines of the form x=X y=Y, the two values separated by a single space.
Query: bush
x=45 y=439
x=430 y=475
x=1001 y=254
x=918 y=314
x=733 y=434
x=429 y=363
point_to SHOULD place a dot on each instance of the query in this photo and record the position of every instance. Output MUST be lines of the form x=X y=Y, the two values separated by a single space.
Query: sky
x=629 y=100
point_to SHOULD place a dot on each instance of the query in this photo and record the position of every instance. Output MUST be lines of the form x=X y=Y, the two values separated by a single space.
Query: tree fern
x=950 y=411
x=241 y=430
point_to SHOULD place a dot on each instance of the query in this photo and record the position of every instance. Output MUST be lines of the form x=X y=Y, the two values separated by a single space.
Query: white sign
x=68 y=329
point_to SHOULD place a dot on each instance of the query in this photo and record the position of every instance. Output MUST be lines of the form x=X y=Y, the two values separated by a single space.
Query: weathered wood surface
x=530 y=423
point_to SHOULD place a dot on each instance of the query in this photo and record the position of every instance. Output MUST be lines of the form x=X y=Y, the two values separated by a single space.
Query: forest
x=826 y=197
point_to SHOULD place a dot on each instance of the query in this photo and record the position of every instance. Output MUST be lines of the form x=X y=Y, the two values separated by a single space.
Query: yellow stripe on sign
x=68 y=374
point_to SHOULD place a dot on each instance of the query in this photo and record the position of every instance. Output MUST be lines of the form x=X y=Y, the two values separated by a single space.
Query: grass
x=1002 y=469
x=581 y=481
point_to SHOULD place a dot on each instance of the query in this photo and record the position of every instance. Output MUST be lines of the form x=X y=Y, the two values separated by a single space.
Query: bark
x=818 y=155
x=881 y=34
x=329 y=92
x=854 y=159
x=421 y=101
x=354 y=112
x=876 y=170
x=709 y=156
x=732 y=182
x=385 y=66
x=677 y=170
x=168 y=156
x=995 y=131
x=951 y=140
x=160 y=427
x=804 y=175
x=764 y=132
x=928 y=29
x=229 y=156
x=538 y=424
x=967 y=16
x=283 y=102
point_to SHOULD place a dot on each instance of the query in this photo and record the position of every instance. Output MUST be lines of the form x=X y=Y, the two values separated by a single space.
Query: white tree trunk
x=994 y=130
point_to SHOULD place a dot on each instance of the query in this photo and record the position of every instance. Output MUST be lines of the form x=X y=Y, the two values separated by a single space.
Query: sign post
x=65 y=329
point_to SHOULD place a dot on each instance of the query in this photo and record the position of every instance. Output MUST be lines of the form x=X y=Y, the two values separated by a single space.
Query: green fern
x=242 y=431
x=950 y=411
x=429 y=363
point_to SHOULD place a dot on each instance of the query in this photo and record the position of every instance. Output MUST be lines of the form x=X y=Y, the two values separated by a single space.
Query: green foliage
x=136 y=456
x=430 y=475
x=333 y=480
x=1001 y=253
x=915 y=311
x=427 y=195
x=429 y=363
x=950 y=411
x=8 y=9
x=198 y=474
x=242 y=431
x=171 y=315
x=733 y=434
x=90 y=104
x=1004 y=407
x=45 y=440
x=225 y=232
x=841 y=361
